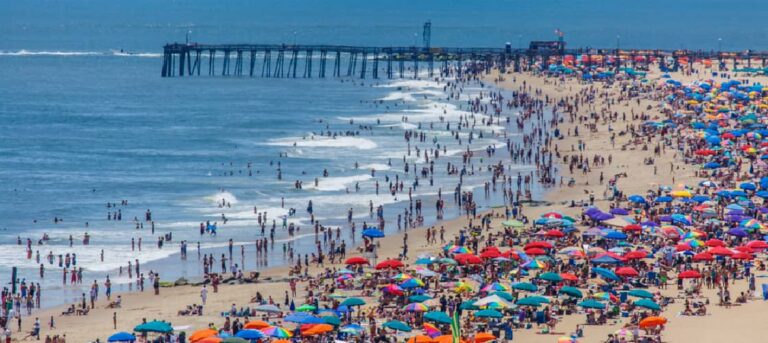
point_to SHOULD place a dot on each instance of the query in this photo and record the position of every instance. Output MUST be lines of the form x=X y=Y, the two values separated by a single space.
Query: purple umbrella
x=619 y=211
x=737 y=232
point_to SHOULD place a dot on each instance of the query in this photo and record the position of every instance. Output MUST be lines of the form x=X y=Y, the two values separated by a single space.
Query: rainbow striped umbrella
x=411 y=283
x=460 y=250
x=402 y=277
x=461 y=287
x=495 y=287
x=277 y=332
x=431 y=330
x=534 y=264
x=416 y=307
x=695 y=243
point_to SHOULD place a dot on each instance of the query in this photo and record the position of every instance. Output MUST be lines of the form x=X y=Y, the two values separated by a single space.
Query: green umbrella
x=352 y=302
x=512 y=223
x=437 y=316
x=647 y=303
x=641 y=293
x=397 y=325
x=550 y=276
x=306 y=308
x=504 y=295
x=154 y=326
x=571 y=291
x=446 y=260
x=525 y=286
x=591 y=303
x=418 y=298
x=488 y=314
x=333 y=320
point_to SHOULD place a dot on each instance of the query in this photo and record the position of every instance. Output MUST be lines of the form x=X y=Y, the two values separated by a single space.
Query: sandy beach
x=736 y=324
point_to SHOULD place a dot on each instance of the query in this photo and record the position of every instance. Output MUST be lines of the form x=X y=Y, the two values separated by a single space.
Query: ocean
x=87 y=120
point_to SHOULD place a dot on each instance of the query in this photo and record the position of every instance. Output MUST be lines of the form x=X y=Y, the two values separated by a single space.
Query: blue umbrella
x=608 y=274
x=373 y=233
x=605 y=259
x=613 y=234
x=619 y=211
x=121 y=337
x=299 y=317
x=489 y=313
x=748 y=186
x=712 y=165
x=636 y=199
x=702 y=198
x=762 y=194
x=664 y=198
x=250 y=334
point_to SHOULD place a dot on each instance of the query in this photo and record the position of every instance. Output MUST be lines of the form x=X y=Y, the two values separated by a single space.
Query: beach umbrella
x=482 y=337
x=121 y=337
x=689 y=274
x=627 y=272
x=333 y=320
x=570 y=291
x=352 y=302
x=551 y=276
x=606 y=273
x=489 y=313
x=647 y=303
x=490 y=253
x=535 y=251
x=357 y=260
x=613 y=234
x=421 y=339
x=494 y=286
x=704 y=256
x=389 y=264
x=202 y=333
x=154 y=326
x=468 y=259
x=569 y=277
x=504 y=295
x=416 y=307
x=531 y=300
x=525 y=286
x=398 y=326
x=757 y=245
x=619 y=211
x=300 y=317
x=392 y=289
x=554 y=234
x=714 y=242
x=269 y=308
x=212 y=339
x=306 y=308
x=424 y=261
x=638 y=199
x=437 y=316
x=418 y=298
x=720 y=251
x=493 y=300
x=234 y=340
x=591 y=303
x=636 y=255
x=538 y=244
x=624 y=335
x=250 y=335
x=512 y=223
x=373 y=233
x=640 y=293
x=318 y=329
x=652 y=321
x=276 y=332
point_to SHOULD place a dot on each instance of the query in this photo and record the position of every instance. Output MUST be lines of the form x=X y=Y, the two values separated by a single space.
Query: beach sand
x=737 y=324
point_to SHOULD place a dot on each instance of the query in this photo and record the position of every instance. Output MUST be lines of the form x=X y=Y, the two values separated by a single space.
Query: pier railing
x=307 y=61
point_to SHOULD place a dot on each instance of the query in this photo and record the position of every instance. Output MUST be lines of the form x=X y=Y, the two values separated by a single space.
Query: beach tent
x=121 y=337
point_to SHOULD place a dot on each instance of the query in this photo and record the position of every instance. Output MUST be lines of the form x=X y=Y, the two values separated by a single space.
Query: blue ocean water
x=84 y=124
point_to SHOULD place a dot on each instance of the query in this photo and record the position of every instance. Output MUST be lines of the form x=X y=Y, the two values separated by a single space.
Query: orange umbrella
x=201 y=334
x=318 y=329
x=420 y=339
x=281 y=341
x=650 y=322
x=256 y=325
x=212 y=339
x=484 y=337
x=446 y=339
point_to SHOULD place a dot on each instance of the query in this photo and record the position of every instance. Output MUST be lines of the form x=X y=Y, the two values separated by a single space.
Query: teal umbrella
x=640 y=293
x=437 y=316
x=424 y=260
x=397 y=325
x=154 y=326
x=525 y=286
x=550 y=276
x=333 y=320
x=504 y=295
x=591 y=303
x=352 y=302
x=571 y=291
x=418 y=298
x=647 y=303
x=488 y=314
x=532 y=301
x=469 y=305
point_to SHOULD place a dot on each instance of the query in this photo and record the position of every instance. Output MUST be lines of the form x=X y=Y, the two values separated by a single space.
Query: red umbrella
x=356 y=260
x=539 y=244
x=758 y=245
x=389 y=264
x=633 y=228
x=742 y=256
x=705 y=152
x=636 y=255
x=689 y=274
x=490 y=253
x=511 y=254
x=744 y=248
x=554 y=234
x=627 y=271
x=468 y=259
x=704 y=256
x=682 y=247
x=535 y=251
x=553 y=215
x=569 y=277
x=720 y=251
x=714 y=242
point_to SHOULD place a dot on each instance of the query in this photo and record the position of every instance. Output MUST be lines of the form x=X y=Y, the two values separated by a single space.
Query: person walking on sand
x=204 y=294
x=156 y=284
